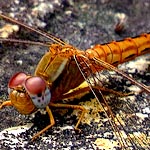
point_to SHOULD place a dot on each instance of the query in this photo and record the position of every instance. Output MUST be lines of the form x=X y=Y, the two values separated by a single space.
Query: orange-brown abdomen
x=118 y=52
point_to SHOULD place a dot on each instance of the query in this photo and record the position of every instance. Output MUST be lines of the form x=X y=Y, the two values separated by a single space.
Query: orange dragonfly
x=61 y=72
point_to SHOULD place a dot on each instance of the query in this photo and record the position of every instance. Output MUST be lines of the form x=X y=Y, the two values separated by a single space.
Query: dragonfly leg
x=52 y=122
x=85 y=90
x=103 y=89
x=75 y=93
x=6 y=103
x=81 y=108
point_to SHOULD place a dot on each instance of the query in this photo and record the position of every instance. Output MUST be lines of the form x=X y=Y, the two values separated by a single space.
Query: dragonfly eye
x=38 y=91
x=35 y=85
x=17 y=79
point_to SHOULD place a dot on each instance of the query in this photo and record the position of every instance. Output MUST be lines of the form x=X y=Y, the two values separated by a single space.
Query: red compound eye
x=35 y=85
x=17 y=79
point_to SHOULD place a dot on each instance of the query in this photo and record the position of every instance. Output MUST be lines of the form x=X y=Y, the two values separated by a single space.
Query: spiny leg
x=6 y=103
x=103 y=89
x=83 y=110
x=79 y=91
x=85 y=89
x=52 y=122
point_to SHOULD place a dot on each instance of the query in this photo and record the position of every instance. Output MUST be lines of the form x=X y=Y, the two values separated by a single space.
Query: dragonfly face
x=28 y=93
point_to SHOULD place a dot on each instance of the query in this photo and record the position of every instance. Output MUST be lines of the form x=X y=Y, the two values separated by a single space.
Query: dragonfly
x=64 y=68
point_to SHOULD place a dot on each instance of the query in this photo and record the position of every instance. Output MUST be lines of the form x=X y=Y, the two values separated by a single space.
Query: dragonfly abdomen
x=118 y=52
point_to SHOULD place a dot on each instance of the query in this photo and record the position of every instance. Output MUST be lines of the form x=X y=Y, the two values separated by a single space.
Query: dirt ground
x=80 y=23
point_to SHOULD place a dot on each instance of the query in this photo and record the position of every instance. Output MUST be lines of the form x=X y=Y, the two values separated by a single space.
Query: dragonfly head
x=28 y=93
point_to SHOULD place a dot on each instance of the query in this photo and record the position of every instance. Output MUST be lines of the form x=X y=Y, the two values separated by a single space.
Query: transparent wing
x=127 y=117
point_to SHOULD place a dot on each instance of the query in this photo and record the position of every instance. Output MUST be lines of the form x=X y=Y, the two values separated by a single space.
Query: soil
x=80 y=23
